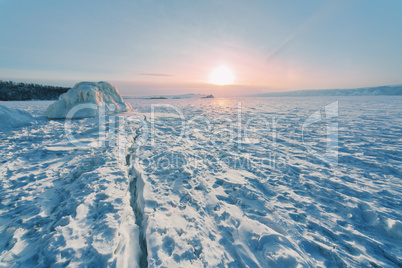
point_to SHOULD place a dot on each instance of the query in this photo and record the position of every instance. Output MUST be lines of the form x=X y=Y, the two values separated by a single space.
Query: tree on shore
x=28 y=91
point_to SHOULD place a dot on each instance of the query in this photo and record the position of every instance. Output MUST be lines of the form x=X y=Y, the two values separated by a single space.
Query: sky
x=148 y=47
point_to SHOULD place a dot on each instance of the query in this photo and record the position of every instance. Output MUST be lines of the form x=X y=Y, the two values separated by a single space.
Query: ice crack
x=139 y=217
x=137 y=200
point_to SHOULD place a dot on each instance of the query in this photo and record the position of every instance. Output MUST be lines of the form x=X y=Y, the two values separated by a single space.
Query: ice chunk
x=88 y=99
x=10 y=118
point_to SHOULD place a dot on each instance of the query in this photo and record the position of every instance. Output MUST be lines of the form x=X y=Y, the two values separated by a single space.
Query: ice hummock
x=10 y=118
x=88 y=99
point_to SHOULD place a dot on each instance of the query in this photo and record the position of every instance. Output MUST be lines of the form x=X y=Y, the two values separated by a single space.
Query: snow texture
x=63 y=205
x=199 y=201
x=12 y=118
x=260 y=203
x=104 y=97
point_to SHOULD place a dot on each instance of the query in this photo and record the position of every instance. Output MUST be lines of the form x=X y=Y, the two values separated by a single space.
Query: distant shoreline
x=366 y=91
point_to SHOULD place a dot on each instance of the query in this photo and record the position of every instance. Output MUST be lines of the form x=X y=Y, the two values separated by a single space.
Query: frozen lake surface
x=268 y=182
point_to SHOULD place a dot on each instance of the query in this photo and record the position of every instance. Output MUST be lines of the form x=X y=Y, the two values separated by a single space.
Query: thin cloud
x=155 y=74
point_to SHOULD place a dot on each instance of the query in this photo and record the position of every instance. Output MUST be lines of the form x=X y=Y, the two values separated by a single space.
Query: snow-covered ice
x=10 y=118
x=90 y=100
x=201 y=193
x=265 y=201
x=62 y=204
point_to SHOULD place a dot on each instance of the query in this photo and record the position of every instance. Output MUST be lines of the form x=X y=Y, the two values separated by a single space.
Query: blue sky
x=161 y=47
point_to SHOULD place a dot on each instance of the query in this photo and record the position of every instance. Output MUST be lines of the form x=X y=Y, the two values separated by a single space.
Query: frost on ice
x=88 y=99
x=10 y=118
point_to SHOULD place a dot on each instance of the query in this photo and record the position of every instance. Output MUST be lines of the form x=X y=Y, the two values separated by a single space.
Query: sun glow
x=221 y=76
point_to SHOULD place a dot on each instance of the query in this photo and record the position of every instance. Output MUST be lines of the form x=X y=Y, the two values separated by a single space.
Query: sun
x=221 y=76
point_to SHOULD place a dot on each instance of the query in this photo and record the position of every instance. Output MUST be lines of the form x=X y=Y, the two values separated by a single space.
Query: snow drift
x=10 y=118
x=88 y=99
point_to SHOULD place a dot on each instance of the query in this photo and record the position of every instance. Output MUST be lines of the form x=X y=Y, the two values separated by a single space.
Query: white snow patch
x=394 y=228
x=103 y=96
x=10 y=118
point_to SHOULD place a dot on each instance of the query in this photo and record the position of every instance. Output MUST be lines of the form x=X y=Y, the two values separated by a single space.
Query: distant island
x=158 y=98
x=210 y=96
x=11 y=91
x=365 y=91
x=163 y=97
